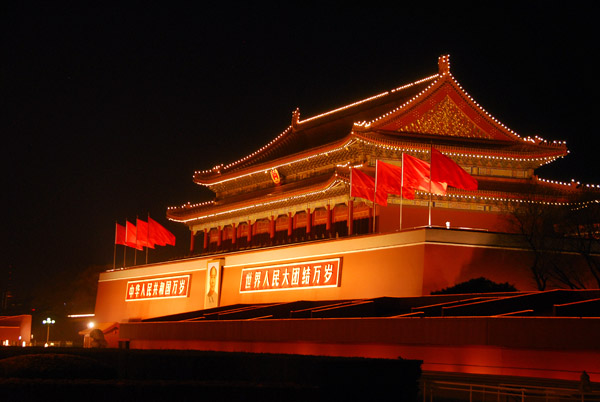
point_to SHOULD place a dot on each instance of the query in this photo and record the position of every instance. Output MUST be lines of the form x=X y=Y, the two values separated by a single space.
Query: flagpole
x=135 y=248
x=125 y=248
x=401 y=192
x=375 y=201
x=115 y=248
x=147 y=236
x=430 y=160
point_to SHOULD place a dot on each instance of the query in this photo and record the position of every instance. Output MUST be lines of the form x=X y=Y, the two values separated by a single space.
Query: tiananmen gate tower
x=285 y=260
x=297 y=186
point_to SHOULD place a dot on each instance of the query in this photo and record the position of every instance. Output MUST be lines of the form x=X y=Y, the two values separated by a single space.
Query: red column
x=290 y=224
x=249 y=232
x=308 y=220
x=328 y=223
x=272 y=228
x=233 y=234
x=205 y=239
x=219 y=236
x=350 y=217
x=192 y=241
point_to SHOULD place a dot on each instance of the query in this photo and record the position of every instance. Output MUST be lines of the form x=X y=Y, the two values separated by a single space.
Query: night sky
x=108 y=109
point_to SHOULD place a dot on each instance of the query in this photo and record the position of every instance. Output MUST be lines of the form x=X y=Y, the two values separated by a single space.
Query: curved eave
x=189 y=214
x=572 y=187
x=496 y=197
x=345 y=116
x=517 y=192
x=220 y=178
x=495 y=150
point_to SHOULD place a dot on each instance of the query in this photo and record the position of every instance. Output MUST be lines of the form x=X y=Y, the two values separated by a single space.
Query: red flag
x=120 y=234
x=363 y=186
x=158 y=234
x=154 y=233
x=142 y=235
x=445 y=170
x=131 y=236
x=416 y=177
x=389 y=178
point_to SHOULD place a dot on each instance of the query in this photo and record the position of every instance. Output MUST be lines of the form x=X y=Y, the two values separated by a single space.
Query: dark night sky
x=107 y=109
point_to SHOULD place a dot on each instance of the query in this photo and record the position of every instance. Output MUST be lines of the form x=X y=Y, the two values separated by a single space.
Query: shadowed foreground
x=92 y=374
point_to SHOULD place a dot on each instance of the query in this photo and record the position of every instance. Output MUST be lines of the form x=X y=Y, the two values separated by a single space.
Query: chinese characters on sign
x=158 y=288
x=305 y=275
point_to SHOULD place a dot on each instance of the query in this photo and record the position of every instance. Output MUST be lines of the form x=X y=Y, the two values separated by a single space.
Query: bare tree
x=556 y=226
x=533 y=220
x=581 y=225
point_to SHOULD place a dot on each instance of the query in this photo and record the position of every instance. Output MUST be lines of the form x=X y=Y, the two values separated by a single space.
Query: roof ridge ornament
x=296 y=118
x=444 y=64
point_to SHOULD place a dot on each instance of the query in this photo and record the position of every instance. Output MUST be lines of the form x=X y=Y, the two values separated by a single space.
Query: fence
x=457 y=391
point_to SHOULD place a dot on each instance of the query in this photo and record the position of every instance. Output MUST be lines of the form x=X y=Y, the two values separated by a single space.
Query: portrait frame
x=212 y=291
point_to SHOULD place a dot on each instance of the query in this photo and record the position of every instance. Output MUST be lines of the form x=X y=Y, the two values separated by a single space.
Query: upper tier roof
x=434 y=109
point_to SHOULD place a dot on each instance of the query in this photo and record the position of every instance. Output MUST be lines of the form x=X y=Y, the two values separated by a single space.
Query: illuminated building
x=296 y=187
x=283 y=227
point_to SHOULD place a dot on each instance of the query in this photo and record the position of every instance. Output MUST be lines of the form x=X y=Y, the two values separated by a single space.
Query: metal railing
x=458 y=391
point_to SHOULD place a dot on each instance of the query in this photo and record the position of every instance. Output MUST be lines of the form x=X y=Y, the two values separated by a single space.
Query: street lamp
x=48 y=321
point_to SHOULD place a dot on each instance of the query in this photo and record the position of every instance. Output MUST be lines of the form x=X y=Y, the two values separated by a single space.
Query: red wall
x=408 y=263
x=418 y=216
x=447 y=265
x=550 y=347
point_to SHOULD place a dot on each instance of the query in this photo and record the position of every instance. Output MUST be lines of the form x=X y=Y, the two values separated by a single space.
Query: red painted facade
x=258 y=229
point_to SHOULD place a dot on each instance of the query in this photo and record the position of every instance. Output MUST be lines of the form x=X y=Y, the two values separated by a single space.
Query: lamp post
x=48 y=321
